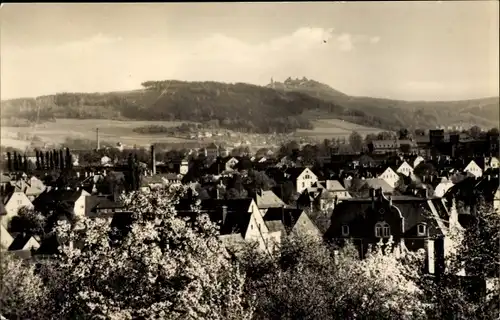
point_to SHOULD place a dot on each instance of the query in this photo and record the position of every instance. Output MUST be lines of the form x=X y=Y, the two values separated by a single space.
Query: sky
x=400 y=50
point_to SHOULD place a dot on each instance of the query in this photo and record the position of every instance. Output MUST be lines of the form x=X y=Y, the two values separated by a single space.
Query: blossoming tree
x=162 y=266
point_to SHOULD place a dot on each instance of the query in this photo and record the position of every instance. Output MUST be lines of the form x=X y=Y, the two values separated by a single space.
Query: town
x=250 y=161
x=410 y=190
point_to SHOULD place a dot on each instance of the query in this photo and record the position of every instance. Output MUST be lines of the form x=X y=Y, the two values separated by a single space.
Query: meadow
x=109 y=130
x=334 y=128
x=53 y=133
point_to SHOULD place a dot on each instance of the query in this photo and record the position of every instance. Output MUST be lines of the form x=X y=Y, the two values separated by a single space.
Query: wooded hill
x=278 y=107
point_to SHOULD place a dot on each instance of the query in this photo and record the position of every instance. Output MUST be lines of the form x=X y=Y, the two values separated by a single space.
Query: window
x=421 y=229
x=345 y=230
x=303 y=184
x=19 y=202
x=382 y=230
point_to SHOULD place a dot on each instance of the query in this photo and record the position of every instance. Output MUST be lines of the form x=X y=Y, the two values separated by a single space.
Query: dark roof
x=93 y=203
x=2 y=208
x=19 y=242
x=237 y=218
x=287 y=216
x=414 y=211
x=294 y=172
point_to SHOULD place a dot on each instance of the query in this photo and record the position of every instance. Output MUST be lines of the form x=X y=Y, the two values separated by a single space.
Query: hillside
x=241 y=107
x=410 y=114
x=278 y=107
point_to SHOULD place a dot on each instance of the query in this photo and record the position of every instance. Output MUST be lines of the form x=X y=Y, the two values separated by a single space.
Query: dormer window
x=421 y=229
x=345 y=230
x=382 y=230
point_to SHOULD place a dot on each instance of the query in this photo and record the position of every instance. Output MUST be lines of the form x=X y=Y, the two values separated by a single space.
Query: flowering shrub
x=164 y=267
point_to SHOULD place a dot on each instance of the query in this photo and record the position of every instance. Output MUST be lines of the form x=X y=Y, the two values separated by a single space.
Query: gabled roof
x=21 y=241
x=334 y=185
x=212 y=146
x=414 y=211
x=287 y=216
x=55 y=197
x=268 y=199
x=237 y=217
x=378 y=184
x=4 y=178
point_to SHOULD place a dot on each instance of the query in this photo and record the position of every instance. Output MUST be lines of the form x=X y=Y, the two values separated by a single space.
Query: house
x=24 y=242
x=389 y=146
x=184 y=167
x=443 y=187
x=329 y=195
x=492 y=163
x=389 y=176
x=413 y=223
x=287 y=221
x=474 y=169
x=152 y=182
x=5 y=238
x=375 y=183
x=231 y=164
x=12 y=203
x=63 y=200
x=417 y=160
x=4 y=182
x=101 y=207
x=106 y=161
x=302 y=178
x=405 y=169
x=236 y=218
x=212 y=151
x=496 y=200
x=223 y=152
x=267 y=199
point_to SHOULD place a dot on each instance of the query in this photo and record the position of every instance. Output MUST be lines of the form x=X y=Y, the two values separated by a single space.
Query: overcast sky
x=402 y=50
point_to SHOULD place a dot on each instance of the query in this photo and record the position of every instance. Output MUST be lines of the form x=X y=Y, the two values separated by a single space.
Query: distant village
x=412 y=193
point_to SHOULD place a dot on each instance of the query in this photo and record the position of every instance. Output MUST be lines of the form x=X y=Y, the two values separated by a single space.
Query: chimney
x=153 y=160
x=97 y=139
x=390 y=200
x=224 y=214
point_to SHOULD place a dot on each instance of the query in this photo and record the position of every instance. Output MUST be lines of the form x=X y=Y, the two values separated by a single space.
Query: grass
x=122 y=131
x=335 y=128
x=109 y=130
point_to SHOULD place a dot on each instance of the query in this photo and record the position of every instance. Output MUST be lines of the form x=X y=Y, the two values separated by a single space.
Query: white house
x=474 y=169
x=302 y=178
x=337 y=189
x=389 y=176
x=417 y=161
x=496 y=200
x=231 y=163
x=79 y=206
x=12 y=203
x=405 y=169
x=443 y=187
x=5 y=238
x=493 y=163
x=105 y=161
x=184 y=168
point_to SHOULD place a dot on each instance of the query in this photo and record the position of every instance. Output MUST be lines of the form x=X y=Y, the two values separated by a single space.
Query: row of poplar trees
x=55 y=159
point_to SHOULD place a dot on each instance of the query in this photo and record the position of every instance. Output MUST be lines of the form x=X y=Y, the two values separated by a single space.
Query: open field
x=122 y=131
x=109 y=130
x=335 y=128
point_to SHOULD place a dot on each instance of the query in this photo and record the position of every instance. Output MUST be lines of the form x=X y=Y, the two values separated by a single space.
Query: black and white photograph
x=250 y=160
